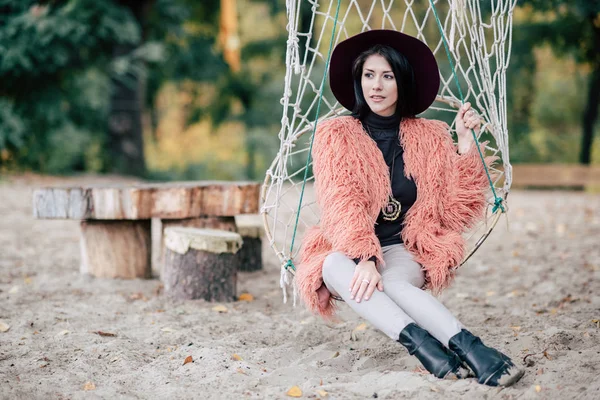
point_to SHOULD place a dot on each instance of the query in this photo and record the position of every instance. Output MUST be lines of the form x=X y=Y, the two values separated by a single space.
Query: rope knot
x=293 y=46
x=289 y=264
x=498 y=205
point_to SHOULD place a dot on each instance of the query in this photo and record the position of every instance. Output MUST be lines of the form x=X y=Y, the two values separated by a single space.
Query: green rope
x=497 y=200
x=289 y=263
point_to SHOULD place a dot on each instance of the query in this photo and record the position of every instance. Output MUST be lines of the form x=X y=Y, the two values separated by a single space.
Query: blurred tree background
x=182 y=89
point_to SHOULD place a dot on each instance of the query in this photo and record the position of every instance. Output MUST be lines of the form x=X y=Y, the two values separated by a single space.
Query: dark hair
x=403 y=73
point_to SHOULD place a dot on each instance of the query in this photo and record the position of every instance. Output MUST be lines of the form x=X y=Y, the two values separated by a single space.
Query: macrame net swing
x=471 y=40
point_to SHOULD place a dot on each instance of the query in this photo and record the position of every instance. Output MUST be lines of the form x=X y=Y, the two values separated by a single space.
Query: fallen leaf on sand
x=188 y=360
x=27 y=280
x=294 y=392
x=13 y=290
x=236 y=357
x=167 y=329
x=63 y=333
x=246 y=297
x=336 y=354
x=4 y=327
x=538 y=388
x=89 y=386
x=105 y=334
x=138 y=296
x=359 y=328
x=322 y=393
x=220 y=308
x=420 y=370
x=241 y=371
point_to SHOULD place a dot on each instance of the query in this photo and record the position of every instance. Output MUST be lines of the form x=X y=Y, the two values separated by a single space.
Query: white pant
x=401 y=302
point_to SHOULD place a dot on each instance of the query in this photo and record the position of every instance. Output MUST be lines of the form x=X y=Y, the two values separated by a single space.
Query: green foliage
x=12 y=127
x=567 y=26
x=57 y=61
x=545 y=119
x=55 y=69
x=58 y=68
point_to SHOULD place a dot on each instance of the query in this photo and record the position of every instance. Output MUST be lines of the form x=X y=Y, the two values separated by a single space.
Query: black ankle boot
x=436 y=359
x=491 y=367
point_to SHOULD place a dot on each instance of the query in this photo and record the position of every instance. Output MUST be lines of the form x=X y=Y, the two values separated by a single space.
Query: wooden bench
x=116 y=219
x=555 y=175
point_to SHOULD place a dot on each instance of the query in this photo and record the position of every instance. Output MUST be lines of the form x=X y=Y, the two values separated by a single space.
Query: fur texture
x=352 y=184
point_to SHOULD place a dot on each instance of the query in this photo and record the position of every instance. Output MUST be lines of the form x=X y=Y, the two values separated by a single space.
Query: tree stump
x=116 y=249
x=250 y=227
x=201 y=263
x=219 y=223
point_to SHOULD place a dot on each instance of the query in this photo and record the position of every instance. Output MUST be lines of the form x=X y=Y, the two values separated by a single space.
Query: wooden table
x=116 y=219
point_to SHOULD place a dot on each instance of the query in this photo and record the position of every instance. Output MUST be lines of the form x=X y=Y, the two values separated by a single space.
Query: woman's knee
x=411 y=274
x=331 y=262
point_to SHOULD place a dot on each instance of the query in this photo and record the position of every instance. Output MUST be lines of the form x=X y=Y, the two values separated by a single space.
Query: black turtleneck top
x=384 y=131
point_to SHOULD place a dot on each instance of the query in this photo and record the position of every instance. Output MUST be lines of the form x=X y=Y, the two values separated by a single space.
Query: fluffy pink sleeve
x=309 y=274
x=452 y=199
x=467 y=189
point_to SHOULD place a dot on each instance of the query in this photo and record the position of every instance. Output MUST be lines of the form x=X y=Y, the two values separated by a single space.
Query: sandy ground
x=531 y=292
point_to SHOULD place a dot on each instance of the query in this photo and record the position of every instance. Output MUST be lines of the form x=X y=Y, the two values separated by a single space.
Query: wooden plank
x=61 y=203
x=555 y=175
x=144 y=201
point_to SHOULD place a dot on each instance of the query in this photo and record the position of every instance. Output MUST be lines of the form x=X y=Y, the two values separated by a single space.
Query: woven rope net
x=478 y=34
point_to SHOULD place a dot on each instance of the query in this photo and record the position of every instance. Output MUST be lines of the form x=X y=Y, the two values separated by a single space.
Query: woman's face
x=379 y=85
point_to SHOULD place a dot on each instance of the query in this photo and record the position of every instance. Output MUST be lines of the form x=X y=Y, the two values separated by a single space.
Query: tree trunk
x=125 y=122
x=228 y=34
x=125 y=134
x=593 y=99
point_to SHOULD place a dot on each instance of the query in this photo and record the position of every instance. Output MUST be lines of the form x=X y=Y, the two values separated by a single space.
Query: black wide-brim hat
x=419 y=56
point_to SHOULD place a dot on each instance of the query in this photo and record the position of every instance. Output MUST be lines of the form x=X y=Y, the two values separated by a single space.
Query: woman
x=395 y=195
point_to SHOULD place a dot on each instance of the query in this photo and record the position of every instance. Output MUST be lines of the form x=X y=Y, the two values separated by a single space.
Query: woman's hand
x=366 y=278
x=324 y=294
x=466 y=119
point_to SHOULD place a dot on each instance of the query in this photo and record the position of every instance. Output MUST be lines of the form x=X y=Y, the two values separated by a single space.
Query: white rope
x=479 y=33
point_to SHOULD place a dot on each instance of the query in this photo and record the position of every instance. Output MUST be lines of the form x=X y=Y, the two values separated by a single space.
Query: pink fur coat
x=352 y=184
